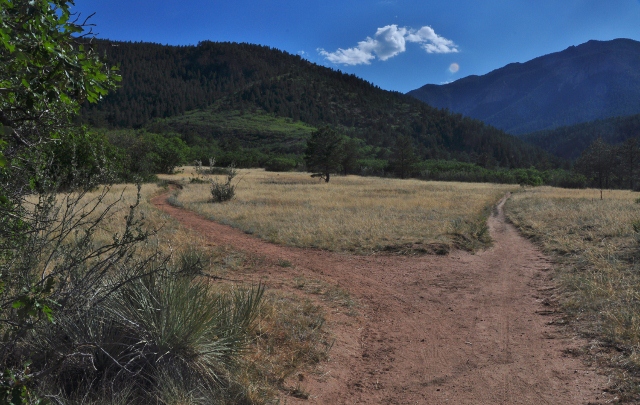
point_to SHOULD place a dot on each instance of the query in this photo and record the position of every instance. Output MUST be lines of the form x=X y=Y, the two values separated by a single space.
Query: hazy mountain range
x=592 y=81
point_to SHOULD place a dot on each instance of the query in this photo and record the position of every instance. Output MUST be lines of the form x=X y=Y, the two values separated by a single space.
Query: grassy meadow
x=349 y=214
x=288 y=338
x=594 y=242
x=596 y=246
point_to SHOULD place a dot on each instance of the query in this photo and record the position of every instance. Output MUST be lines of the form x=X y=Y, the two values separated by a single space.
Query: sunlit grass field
x=350 y=213
x=593 y=241
x=290 y=332
x=597 y=249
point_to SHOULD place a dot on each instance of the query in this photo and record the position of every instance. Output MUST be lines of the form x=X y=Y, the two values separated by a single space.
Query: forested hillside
x=595 y=80
x=256 y=97
x=570 y=141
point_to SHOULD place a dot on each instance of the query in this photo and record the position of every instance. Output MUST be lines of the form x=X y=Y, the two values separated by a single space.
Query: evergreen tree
x=324 y=153
x=598 y=163
x=403 y=157
x=629 y=159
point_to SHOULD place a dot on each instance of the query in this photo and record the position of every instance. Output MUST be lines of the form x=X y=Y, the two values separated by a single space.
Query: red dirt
x=457 y=329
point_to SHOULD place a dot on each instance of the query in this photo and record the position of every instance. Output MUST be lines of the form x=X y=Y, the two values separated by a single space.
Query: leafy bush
x=372 y=167
x=221 y=192
x=243 y=158
x=564 y=179
x=146 y=154
x=280 y=164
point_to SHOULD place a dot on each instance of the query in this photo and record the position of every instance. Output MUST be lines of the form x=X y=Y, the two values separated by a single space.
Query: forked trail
x=457 y=329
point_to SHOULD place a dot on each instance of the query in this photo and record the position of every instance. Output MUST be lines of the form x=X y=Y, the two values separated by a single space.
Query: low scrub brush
x=221 y=192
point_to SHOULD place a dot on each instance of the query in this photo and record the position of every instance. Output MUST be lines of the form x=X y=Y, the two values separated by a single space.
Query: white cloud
x=432 y=42
x=352 y=56
x=390 y=41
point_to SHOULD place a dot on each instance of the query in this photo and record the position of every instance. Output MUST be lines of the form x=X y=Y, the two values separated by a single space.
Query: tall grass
x=351 y=214
x=158 y=325
x=166 y=333
x=595 y=245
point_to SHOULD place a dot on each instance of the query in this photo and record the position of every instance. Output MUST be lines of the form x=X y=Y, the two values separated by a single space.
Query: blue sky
x=396 y=44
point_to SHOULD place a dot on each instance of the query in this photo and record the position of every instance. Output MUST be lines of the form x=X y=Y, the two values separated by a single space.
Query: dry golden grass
x=349 y=214
x=290 y=336
x=597 y=248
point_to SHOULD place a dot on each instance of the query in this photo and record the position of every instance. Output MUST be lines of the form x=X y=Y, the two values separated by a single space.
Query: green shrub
x=221 y=192
x=280 y=164
x=372 y=167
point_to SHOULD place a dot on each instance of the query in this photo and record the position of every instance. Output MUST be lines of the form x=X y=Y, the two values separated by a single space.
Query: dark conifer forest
x=254 y=104
x=570 y=141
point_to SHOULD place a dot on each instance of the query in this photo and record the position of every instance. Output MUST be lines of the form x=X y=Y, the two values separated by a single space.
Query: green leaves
x=5 y=40
x=34 y=302
x=46 y=73
x=3 y=144
x=14 y=387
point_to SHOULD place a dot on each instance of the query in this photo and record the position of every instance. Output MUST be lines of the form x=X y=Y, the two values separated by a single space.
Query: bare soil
x=457 y=329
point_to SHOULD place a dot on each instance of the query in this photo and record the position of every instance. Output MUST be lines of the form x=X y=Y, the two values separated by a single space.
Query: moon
x=454 y=67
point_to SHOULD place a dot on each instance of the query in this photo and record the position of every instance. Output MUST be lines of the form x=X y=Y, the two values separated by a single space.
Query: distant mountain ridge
x=595 y=80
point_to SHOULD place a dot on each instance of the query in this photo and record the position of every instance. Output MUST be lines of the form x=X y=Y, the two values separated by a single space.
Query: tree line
x=609 y=166
x=570 y=141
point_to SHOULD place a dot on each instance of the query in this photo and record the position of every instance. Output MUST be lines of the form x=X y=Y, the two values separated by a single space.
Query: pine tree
x=324 y=153
x=403 y=158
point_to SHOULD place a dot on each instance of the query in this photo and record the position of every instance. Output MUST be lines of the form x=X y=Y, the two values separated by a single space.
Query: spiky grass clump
x=185 y=326
x=221 y=192
x=160 y=334
x=148 y=350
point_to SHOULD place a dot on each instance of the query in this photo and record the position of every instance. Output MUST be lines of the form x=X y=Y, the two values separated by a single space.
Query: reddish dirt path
x=456 y=329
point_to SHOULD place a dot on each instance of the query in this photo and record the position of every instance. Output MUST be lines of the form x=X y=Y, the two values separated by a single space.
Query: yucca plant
x=165 y=334
x=177 y=322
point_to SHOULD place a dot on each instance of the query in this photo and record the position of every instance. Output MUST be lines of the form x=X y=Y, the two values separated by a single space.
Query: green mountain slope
x=262 y=97
x=569 y=142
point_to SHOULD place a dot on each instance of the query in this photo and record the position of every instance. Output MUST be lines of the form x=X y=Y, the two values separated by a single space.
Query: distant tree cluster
x=570 y=141
x=611 y=166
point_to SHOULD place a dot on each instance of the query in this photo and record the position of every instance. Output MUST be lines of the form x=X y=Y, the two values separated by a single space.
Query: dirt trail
x=456 y=329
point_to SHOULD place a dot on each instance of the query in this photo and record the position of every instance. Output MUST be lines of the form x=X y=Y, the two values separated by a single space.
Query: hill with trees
x=257 y=103
x=570 y=141
x=595 y=80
